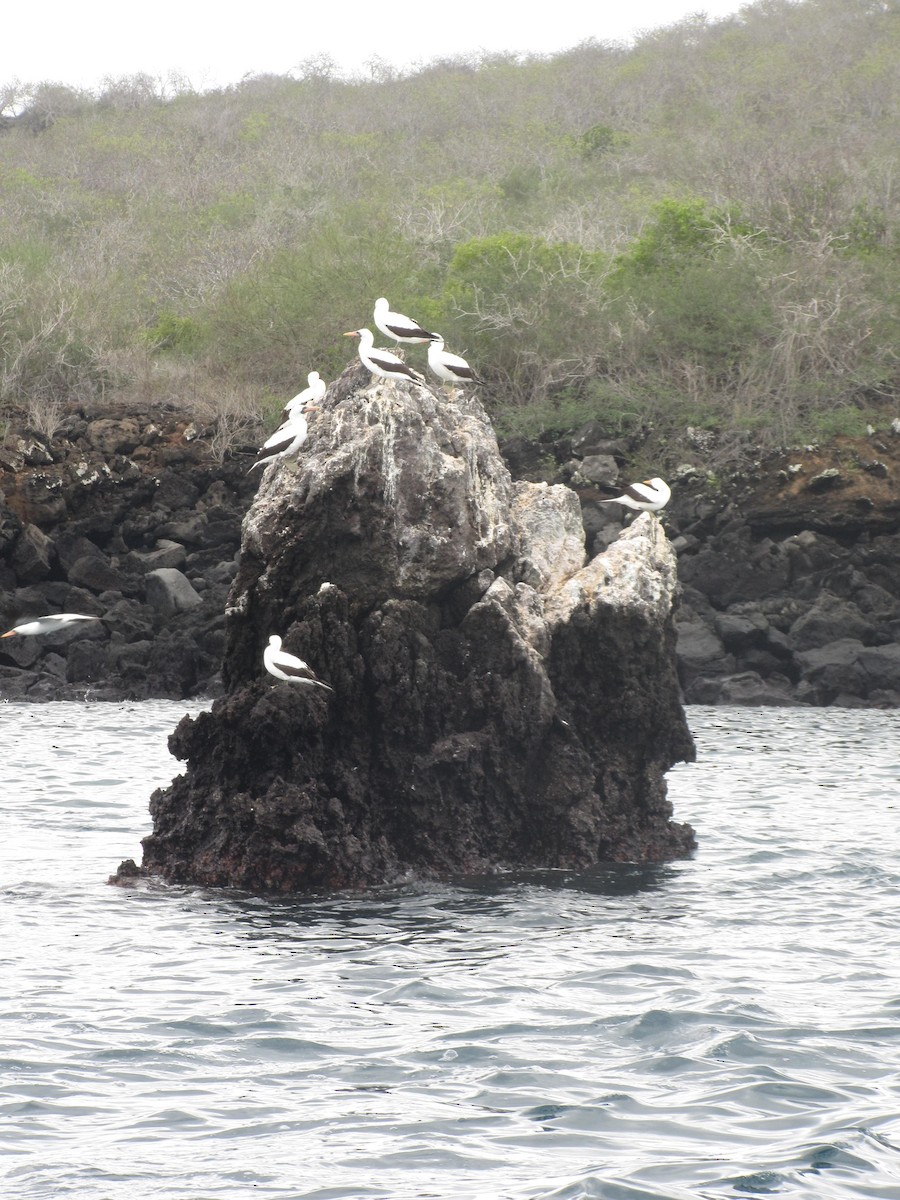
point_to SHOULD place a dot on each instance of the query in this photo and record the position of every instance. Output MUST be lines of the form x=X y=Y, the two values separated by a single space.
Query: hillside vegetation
x=700 y=229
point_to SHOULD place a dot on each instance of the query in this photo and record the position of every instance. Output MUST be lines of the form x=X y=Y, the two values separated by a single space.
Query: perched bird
x=47 y=624
x=449 y=367
x=382 y=362
x=287 y=666
x=286 y=440
x=397 y=326
x=309 y=396
x=648 y=496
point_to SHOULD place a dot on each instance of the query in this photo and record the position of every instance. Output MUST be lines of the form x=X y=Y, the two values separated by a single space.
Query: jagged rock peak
x=410 y=487
x=497 y=702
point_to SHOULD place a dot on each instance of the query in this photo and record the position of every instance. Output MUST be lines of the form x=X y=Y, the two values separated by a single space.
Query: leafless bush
x=231 y=417
x=129 y=92
x=45 y=364
x=46 y=416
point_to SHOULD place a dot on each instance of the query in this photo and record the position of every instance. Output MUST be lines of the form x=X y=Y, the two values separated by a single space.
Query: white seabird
x=310 y=396
x=451 y=368
x=382 y=362
x=288 y=667
x=648 y=496
x=397 y=326
x=47 y=624
x=286 y=440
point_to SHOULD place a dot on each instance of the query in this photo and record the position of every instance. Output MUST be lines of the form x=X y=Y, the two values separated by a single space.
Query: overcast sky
x=78 y=42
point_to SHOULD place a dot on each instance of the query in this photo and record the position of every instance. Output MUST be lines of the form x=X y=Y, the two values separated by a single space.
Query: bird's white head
x=275 y=641
x=662 y=490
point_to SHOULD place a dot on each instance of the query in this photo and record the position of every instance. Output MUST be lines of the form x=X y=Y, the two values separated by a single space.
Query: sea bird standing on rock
x=382 y=362
x=47 y=624
x=288 y=667
x=286 y=440
x=310 y=395
x=397 y=326
x=649 y=496
x=449 y=367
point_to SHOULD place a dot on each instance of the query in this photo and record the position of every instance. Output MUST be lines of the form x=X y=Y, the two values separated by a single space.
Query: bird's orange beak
x=10 y=634
x=352 y=333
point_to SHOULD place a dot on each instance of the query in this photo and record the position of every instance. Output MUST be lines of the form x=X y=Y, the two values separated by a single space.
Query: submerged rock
x=497 y=701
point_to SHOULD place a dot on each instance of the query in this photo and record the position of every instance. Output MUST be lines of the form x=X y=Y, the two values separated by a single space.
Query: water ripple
x=717 y=1028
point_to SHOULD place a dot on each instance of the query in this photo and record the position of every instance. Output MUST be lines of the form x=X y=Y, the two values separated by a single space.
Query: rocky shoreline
x=789 y=572
x=130 y=518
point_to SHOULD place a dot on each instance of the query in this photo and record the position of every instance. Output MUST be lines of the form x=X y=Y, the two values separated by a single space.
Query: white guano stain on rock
x=451 y=510
x=638 y=571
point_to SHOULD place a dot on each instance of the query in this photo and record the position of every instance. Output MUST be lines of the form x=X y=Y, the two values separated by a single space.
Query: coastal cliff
x=498 y=700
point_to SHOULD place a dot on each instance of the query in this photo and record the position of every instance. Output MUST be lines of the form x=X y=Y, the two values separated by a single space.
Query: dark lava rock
x=733 y=567
x=700 y=654
x=831 y=671
x=747 y=688
x=496 y=702
x=791 y=579
x=828 y=620
x=170 y=591
x=84 y=532
x=825 y=481
x=599 y=468
x=97 y=574
x=32 y=555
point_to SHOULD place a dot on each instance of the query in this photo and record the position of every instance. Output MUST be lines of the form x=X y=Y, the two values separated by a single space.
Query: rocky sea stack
x=498 y=702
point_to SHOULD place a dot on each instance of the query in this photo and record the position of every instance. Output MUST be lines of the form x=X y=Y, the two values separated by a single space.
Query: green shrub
x=869 y=231
x=173 y=332
x=288 y=313
x=708 y=312
x=231 y=212
x=524 y=306
x=681 y=233
x=599 y=140
x=837 y=422
x=520 y=183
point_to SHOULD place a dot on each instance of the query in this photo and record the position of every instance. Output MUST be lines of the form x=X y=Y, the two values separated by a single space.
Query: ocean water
x=727 y=1026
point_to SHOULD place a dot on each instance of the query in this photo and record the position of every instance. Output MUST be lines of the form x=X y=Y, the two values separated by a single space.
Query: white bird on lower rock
x=382 y=362
x=286 y=440
x=649 y=496
x=309 y=397
x=450 y=368
x=288 y=667
x=397 y=326
x=48 y=624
